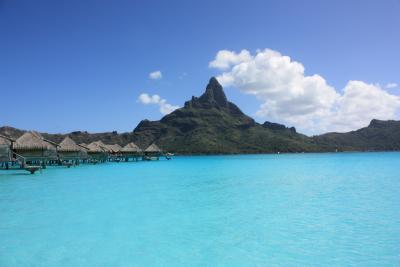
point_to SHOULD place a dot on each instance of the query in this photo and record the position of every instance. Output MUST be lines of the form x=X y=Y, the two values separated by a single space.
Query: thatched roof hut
x=131 y=148
x=69 y=145
x=32 y=146
x=31 y=141
x=131 y=151
x=97 y=152
x=69 y=150
x=153 y=148
x=114 y=148
x=101 y=145
x=94 y=147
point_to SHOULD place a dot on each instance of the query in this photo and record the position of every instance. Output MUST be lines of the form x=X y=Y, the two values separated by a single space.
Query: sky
x=100 y=65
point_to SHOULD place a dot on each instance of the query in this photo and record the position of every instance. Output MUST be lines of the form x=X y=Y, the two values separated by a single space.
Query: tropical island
x=199 y=133
x=210 y=124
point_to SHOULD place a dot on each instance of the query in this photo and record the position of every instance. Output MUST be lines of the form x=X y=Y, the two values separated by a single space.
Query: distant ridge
x=210 y=124
x=377 y=136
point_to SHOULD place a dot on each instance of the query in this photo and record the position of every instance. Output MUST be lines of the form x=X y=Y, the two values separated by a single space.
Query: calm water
x=258 y=210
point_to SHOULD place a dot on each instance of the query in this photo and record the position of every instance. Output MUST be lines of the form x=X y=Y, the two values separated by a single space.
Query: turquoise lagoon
x=338 y=209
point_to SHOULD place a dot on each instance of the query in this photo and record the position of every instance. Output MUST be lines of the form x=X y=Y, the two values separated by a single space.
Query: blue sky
x=82 y=65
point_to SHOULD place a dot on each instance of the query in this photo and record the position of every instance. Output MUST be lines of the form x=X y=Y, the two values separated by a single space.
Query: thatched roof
x=102 y=145
x=153 y=148
x=32 y=141
x=95 y=147
x=131 y=147
x=69 y=145
x=83 y=147
x=114 y=148
x=4 y=141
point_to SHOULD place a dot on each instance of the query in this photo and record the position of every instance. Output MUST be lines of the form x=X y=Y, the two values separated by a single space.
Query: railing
x=19 y=158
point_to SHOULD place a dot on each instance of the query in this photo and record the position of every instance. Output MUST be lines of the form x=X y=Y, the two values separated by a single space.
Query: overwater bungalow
x=152 y=152
x=102 y=146
x=114 y=152
x=114 y=148
x=5 y=151
x=105 y=148
x=131 y=151
x=31 y=147
x=96 y=152
x=70 y=152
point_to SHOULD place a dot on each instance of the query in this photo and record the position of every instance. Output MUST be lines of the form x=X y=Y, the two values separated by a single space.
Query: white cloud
x=307 y=102
x=155 y=75
x=391 y=85
x=165 y=108
x=361 y=102
x=226 y=59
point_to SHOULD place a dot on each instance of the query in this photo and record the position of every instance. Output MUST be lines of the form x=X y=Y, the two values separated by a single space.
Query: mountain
x=210 y=124
x=377 y=136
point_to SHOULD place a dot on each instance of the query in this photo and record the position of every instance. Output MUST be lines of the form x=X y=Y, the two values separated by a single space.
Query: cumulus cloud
x=391 y=85
x=165 y=108
x=361 y=102
x=226 y=59
x=307 y=102
x=155 y=75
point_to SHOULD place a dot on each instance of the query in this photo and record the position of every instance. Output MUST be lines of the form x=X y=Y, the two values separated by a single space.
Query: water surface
x=338 y=209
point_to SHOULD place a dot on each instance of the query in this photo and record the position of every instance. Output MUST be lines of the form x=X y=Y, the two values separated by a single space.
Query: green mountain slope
x=378 y=136
x=212 y=124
